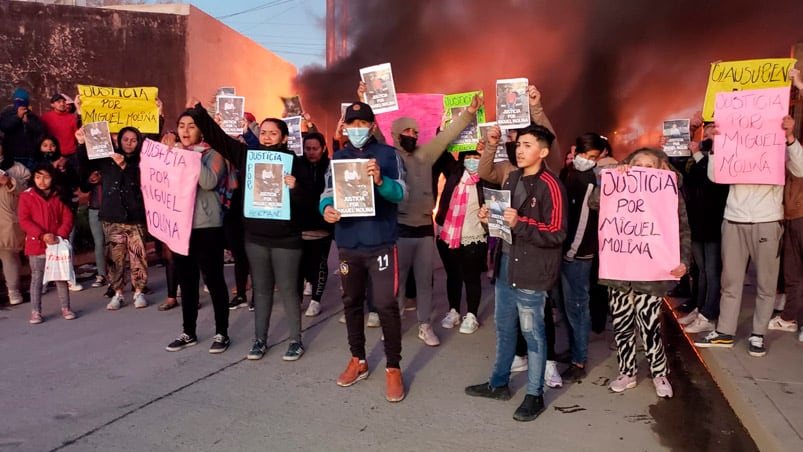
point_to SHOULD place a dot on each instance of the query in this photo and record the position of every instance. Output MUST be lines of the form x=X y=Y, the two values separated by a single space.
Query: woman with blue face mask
x=462 y=240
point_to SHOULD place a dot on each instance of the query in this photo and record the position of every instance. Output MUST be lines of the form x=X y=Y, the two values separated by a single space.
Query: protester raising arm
x=437 y=146
x=230 y=148
x=495 y=173
x=555 y=159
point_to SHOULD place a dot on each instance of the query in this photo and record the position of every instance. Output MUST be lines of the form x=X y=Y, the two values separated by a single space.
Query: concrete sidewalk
x=103 y=382
x=766 y=393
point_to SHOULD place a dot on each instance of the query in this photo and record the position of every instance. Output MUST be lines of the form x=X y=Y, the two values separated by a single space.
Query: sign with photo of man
x=98 y=140
x=353 y=188
x=231 y=110
x=380 y=92
x=266 y=194
x=512 y=104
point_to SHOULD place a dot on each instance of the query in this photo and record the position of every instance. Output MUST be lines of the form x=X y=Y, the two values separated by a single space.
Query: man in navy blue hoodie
x=367 y=247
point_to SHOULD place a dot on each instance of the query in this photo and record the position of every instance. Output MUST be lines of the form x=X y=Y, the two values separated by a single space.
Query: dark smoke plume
x=602 y=65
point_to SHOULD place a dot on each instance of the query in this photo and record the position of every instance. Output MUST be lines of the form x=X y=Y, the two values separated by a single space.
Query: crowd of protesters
x=551 y=263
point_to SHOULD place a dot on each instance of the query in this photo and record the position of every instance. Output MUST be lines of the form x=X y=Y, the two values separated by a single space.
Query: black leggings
x=315 y=265
x=464 y=266
x=205 y=260
x=235 y=239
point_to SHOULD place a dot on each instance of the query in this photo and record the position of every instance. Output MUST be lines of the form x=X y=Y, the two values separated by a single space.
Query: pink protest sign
x=169 y=178
x=426 y=109
x=750 y=147
x=639 y=237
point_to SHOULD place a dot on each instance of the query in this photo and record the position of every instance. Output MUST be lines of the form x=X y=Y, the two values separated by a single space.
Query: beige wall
x=219 y=56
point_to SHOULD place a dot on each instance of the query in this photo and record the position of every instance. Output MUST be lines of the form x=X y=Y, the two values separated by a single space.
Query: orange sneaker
x=394 y=386
x=356 y=370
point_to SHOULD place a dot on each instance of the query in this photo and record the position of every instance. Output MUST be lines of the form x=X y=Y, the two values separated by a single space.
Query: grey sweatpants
x=11 y=269
x=417 y=253
x=740 y=242
x=37 y=276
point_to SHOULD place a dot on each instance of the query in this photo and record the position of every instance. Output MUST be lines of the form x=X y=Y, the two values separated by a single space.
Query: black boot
x=530 y=408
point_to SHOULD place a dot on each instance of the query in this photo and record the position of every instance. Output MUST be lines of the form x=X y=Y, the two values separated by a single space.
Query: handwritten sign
x=745 y=74
x=120 y=107
x=426 y=109
x=169 y=180
x=751 y=146
x=639 y=236
x=455 y=104
x=266 y=194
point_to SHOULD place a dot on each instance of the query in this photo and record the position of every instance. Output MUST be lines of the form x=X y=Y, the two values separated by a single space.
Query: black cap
x=358 y=110
x=57 y=96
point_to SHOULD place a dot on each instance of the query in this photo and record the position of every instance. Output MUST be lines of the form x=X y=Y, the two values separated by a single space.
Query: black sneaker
x=574 y=374
x=294 y=351
x=181 y=342
x=219 y=344
x=238 y=302
x=485 y=390
x=530 y=408
x=257 y=350
x=715 y=339
x=756 y=346
x=251 y=305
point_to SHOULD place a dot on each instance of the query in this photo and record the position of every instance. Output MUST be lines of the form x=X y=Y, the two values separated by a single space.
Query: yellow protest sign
x=120 y=107
x=745 y=74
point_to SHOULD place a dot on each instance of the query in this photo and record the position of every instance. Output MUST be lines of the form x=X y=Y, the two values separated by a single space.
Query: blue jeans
x=708 y=256
x=526 y=307
x=575 y=277
x=100 y=242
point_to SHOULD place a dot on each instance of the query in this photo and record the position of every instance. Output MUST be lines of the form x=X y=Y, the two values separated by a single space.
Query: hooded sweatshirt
x=121 y=198
x=415 y=211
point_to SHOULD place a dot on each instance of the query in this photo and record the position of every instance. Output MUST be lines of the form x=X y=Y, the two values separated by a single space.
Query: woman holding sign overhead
x=273 y=245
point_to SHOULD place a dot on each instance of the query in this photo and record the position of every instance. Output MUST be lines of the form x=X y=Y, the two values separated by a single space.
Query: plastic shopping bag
x=58 y=262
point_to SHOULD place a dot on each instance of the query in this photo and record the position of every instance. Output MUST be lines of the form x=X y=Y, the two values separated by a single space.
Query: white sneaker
x=206 y=289
x=779 y=324
x=116 y=302
x=470 y=324
x=307 y=290
x=451 y=320
x=519 y=364
x=699 y=325
x=426 y=334
x=75 y=287
x=14 y=297
x=662 y=387
x=800 y=335
x=140 y=301
x=688 y=318
x=314 y=309
x=342 y=319
x=373 y=320
x=552 y=376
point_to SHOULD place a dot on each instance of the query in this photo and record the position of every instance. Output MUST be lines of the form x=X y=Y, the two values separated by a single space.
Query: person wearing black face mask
x=416 y=242
x=705 y=205
x=66 y=178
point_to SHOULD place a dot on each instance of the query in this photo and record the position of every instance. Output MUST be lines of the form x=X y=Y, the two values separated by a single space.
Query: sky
x=293 y=29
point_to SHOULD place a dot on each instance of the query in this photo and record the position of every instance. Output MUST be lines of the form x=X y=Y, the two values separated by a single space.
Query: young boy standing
x=526 y=269
x=367 y=247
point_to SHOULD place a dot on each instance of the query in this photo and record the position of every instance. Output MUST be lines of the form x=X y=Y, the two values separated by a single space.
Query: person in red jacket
x=62 y=124
x=44 y=218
